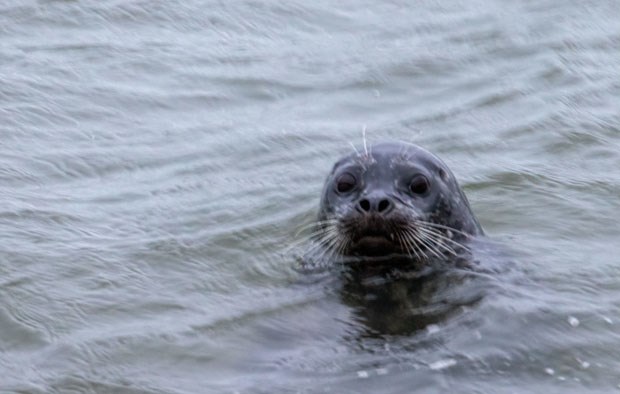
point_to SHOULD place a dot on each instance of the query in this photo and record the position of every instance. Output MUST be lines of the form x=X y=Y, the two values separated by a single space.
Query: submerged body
x=394 y=200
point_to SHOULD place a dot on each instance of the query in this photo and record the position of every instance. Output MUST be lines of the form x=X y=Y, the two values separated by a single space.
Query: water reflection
x=403 y=300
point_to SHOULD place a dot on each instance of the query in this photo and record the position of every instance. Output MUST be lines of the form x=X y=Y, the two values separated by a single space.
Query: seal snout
x=373 y=234
x=375 y=204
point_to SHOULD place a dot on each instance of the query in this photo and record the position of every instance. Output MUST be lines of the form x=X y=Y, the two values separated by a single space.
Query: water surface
x=157 y=158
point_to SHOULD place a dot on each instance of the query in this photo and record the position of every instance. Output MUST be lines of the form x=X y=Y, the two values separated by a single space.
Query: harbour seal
x=394 y=200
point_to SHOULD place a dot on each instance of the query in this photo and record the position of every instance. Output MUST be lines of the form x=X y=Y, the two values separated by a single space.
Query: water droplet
x=442 y=364
x=382 y=371
x=432 y=328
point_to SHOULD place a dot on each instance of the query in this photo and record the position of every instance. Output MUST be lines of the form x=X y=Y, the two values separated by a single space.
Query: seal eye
x=345 y=183
x=419 y=184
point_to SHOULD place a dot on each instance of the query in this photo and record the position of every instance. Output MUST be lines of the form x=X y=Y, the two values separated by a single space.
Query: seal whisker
x=318 y=243
x=339 y=246
x=443 y=237
x=355 y=149
x=329 y=240
x=438 y=240
x=319 y=223
x=317 y=233
x=328 y=247
x=441 y=226
x=406 y=238
x=414 y=241
x=323 y=235
x=418 y=246
x=321 y=232
x=402 y=245
x=439 y=246
x=427 y=240
x=344 y=244
x=430 y=246
x=322 y=225
x=364 y=140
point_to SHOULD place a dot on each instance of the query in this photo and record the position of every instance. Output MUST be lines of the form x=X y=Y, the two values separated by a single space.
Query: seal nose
x=380 y=204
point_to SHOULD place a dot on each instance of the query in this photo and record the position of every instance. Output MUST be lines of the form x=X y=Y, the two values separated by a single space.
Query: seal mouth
x=374 y=235
x=373 y=240
x=374 y=243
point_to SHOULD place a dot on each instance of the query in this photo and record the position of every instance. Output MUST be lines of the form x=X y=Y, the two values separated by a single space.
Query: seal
x=394 y=199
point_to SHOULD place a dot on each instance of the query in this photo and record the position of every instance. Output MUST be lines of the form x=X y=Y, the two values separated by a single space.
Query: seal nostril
x=365 y=204
x=383 y=205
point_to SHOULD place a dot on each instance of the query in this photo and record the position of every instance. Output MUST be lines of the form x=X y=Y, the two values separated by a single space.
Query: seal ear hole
x=345 y=183
x=443 y=174
x=419 y=184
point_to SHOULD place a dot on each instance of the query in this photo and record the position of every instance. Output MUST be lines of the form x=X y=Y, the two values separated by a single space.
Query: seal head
x=394 y=199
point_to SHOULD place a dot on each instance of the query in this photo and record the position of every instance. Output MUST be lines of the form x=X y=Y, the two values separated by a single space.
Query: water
x=157 y=158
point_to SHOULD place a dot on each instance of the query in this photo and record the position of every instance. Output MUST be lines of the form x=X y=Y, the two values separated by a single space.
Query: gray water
x=157 y=159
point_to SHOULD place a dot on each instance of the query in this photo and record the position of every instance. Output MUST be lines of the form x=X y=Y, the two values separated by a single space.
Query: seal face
x=394 y=199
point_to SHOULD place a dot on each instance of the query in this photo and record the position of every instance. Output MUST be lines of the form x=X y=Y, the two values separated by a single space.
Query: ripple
x=157 y=158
